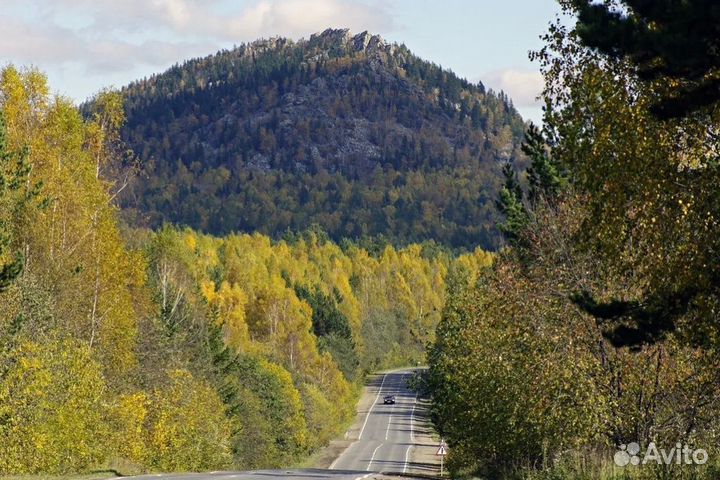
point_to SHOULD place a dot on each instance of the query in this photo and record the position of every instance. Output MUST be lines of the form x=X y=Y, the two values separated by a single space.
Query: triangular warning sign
x=441 y=450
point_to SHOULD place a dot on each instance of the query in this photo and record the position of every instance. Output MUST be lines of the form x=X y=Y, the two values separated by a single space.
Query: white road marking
x=373 y=456
x=407 y=452
x=392 y=410
x=367 y=417
x=372 y=406
x=387 y=430
x=364 y=476
x=412 y=433
x=332 y=465
x=412 y=417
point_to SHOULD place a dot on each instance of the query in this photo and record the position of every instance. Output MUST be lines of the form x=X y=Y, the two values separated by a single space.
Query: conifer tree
x=675 y=42
x=510 y=204
x=544 y=175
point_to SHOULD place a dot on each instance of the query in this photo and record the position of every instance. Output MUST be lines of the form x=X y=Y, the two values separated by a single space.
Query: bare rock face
x=258 y=47
x=363 y=42
x=334 y=35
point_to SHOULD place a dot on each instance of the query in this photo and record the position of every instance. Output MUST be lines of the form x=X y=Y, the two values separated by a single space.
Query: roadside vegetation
x=597 y=325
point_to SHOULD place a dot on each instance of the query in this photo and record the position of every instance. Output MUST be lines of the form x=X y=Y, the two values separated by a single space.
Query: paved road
x=388 y=432
x=290 y=474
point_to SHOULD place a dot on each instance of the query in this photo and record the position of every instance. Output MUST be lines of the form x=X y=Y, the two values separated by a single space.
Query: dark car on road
x=389 y=399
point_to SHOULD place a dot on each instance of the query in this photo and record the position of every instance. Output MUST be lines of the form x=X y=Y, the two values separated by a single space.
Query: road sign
x=442 y=451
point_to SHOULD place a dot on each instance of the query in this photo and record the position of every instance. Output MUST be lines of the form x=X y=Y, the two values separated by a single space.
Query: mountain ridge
x=346 y=131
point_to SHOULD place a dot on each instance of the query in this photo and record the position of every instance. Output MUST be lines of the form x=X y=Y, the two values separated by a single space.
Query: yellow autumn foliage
x=127 y=418
x=51 y=408
x=187 y=429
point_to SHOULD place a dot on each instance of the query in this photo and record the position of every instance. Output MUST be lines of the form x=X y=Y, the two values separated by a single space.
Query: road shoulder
x=326 y=456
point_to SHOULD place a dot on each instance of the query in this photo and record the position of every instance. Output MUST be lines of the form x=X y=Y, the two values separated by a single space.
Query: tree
x=677 y=43
x=52 y=415
x=74 y=246
x=15 y=197
x=510 y=204
x=186 y=426
x=651 y=204
x=544 y=175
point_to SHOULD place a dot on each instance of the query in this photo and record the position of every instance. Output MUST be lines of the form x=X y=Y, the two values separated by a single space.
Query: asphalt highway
x=289 y=474
x=388 y=432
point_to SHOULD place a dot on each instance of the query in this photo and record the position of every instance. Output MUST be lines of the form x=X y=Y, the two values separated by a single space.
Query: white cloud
x=296 y=18
x=25 y=41
x=52 y=45
x=117 y=35
x=522 y=86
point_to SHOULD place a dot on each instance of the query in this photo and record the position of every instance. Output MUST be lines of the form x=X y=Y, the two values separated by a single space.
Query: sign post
x=442 y=451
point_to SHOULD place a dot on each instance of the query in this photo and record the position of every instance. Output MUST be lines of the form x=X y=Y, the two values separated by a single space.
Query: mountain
x=351 y=133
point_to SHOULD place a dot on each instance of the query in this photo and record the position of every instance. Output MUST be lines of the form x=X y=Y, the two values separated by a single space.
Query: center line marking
x=372 y=406
x=387 y=431
x=412 y=416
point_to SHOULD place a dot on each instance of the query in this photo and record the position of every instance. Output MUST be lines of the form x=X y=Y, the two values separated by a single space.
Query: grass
x=600 y=466
x=98 y=475
x=113 y=469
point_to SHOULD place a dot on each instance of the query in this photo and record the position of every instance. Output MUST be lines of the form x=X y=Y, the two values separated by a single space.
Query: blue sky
x=84 y=45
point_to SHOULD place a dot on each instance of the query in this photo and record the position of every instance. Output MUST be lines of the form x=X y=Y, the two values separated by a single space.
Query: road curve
x=387 y=434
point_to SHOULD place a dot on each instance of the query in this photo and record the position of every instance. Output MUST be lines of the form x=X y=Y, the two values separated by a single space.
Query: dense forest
x=598 y=326
x=171 y=350
x=347 y=132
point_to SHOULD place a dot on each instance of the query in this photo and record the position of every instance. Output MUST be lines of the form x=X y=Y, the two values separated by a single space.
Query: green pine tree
x=674 y=42
x=510 y=204
x=544 y=176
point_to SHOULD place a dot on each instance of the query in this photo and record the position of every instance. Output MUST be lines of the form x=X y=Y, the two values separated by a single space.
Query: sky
x=86 y=45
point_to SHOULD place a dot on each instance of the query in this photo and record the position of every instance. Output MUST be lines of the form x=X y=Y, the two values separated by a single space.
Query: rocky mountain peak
x=342 y=37
x=265 y=45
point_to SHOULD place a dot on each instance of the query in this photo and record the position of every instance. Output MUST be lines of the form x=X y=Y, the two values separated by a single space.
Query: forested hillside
x=599 y=326
x=172 y=350
x=348 y=132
